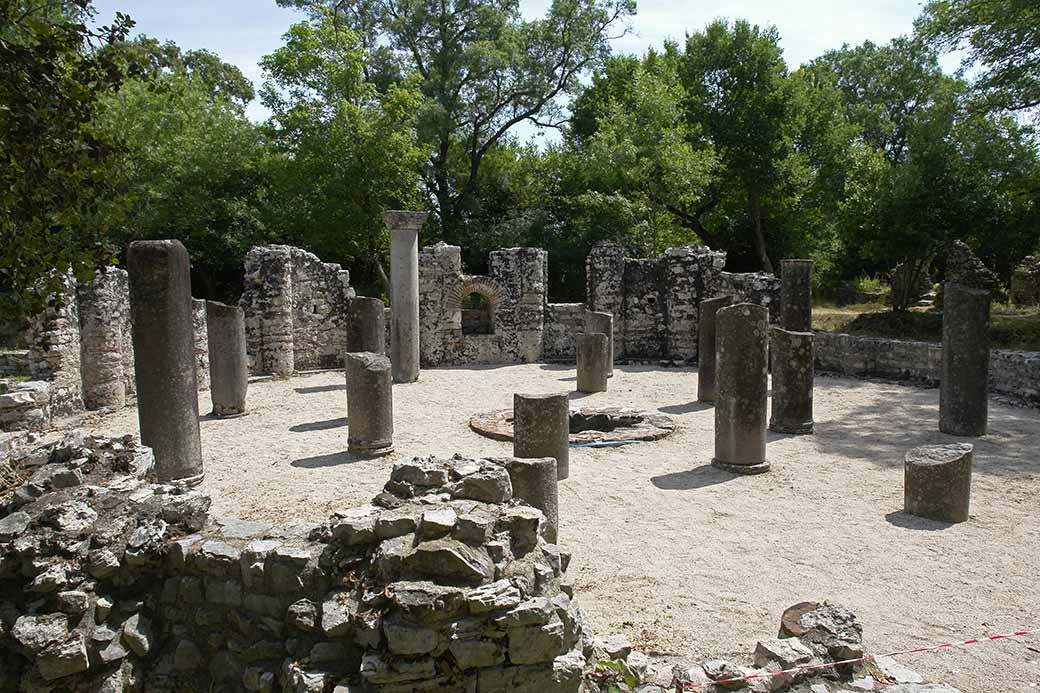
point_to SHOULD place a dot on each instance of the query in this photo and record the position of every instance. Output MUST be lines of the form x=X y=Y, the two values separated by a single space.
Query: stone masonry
x=446 y=582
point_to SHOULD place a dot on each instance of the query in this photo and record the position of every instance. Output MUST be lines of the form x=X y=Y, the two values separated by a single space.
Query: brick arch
x=485 y=286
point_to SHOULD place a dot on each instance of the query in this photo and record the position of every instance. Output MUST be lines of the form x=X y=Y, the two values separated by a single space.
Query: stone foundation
x=445 y=583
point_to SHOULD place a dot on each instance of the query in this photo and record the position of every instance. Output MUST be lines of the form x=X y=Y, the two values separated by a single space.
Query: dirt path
x=684 y=559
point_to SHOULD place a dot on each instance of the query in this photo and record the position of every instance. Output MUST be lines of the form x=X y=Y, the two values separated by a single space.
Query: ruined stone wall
x=320 y=293
x=760 y=288
x=562 y=322
x=26 y=407
x=1012 y=374
x=295 y=310
x=106 y=347
x=655 y=301
x=200 y=342
x=515 y=290
x=445 y=583
x=54 y=351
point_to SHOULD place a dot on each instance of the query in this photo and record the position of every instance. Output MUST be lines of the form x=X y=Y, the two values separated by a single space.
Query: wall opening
x=477 y=314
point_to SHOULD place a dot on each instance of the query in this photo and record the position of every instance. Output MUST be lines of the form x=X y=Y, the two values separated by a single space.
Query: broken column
x=792 y=360
x=742 y=345
x=104 y=319
x=200 y=340
x=602 y=323
x=370 y=405
x=535 y=481
x=706 y=346
x=164 y=358
x=541 y=428
x=228 y=363
x=796 y=295
x=593 y=356
x=366 y=325
x=404 y=301
x=963 y=398
x=937 y=481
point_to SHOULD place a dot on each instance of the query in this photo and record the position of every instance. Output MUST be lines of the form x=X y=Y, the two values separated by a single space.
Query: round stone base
x=740 y=468
x=370 y=452
x=233 y=415
x=796 y=429
x=189 y=480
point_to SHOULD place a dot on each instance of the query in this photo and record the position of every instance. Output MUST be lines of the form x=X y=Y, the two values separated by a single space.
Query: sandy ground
x=684 y=559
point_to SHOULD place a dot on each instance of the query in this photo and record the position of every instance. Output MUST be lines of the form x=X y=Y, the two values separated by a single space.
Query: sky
x=242 y=31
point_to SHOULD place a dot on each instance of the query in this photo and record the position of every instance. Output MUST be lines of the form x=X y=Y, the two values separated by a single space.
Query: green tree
x=1002 y=39
x=54 y=168
x=738 y=91
x=483 y=69
x=345 y=151
x=192 y=167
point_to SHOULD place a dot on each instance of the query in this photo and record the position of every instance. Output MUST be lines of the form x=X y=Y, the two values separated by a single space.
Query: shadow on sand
x=319 y=425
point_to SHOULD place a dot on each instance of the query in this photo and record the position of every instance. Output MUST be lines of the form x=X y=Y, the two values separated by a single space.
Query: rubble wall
x=760 y=288
x=445 y=583
x=562 y=322
x=54 y=351
x=295 y=310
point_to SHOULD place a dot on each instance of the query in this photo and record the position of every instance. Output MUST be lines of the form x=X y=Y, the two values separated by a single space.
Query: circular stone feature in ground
x=589 y=425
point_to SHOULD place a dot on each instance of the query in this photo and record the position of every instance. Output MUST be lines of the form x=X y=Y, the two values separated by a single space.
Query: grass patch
x=1010 y=327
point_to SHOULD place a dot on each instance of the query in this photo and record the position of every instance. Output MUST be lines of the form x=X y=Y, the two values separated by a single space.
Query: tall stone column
x=370 y=404
x=593 y=354
x=164 y=358
x=404 y=303
x=796 y=295
x=104 y=318
x=963 y=390
x=793 y=370
x=742 y=346
x=604 y=324
x=541 y=428
x=366 y=325
x=228 y=363
x=706 y=331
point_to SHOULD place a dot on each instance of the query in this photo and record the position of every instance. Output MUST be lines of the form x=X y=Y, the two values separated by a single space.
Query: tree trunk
x=760 y=238
x=384 y=280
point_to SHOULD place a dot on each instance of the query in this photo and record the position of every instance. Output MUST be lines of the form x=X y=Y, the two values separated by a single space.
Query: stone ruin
x=1025 y=282
x=81 y=355
x=446 y=582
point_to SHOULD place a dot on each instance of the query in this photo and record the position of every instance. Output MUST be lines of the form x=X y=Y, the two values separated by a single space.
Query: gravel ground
x=686 y=560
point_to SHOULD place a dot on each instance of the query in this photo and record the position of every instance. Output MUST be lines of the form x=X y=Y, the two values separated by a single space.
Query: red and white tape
x=857 y=660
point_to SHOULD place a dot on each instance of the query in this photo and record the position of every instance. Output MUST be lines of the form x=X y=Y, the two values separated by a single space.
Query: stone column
x=535 y=482
x=164 y=358
x=792 y=357
x=370 y=404
x=741 y=351
x=104 y=318
x=963 y=389
x=541 y=428
x=796 y=295
x=366 y=325
x=404 y=303
x=228 y=363
x=593 y=355
x=937 y=481
x=200 y=339
x=706 y=346
x=604 y=324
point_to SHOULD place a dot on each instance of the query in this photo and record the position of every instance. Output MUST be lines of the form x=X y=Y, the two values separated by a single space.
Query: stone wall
x=200 y=342
x=515 y=290
x=445 y=583
x=562 y=322
x=54 y=351
x=1012 y=374
x=1025 y=282
x=295 y=308
x=760 y=288
x=655 y=301
x=106 y=346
